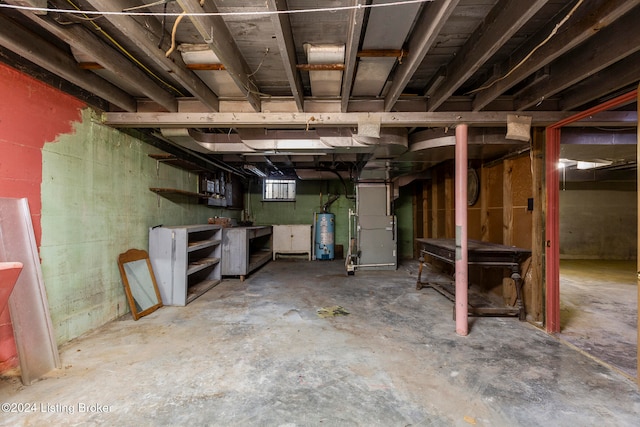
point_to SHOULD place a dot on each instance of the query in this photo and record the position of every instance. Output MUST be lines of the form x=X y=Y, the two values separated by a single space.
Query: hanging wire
x=250 y=13
x=127 y=53
x=530 y=54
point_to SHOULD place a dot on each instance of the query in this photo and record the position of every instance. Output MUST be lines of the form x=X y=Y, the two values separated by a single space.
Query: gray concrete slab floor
x=256 y=353
x=599 y=310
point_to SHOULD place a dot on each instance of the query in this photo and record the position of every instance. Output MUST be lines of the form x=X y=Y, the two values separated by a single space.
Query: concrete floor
x=599 y=310
x=256 y=353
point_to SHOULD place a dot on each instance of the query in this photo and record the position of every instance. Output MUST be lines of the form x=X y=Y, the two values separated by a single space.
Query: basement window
x=279 y=190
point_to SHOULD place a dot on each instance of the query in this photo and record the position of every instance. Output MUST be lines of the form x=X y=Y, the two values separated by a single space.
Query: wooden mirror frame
x=137 y=255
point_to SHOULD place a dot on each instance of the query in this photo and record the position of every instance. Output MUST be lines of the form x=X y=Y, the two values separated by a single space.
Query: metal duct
x=219 y=81
x=387 y=28
x=325 y=83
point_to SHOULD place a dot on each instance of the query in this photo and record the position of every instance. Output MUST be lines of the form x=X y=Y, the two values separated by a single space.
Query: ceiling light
x=592 y=165
x=255 y=170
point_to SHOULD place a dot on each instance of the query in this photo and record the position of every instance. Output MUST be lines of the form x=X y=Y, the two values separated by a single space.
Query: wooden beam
x=449 y=206
x=485 y=218
x=321 y=67
x=601 y=84
x=610 y=45
x=586 y=22
x=40 y=4
x=216 y=34
x=206 y=67
x=396 y=119
x=435 y=186
x=433 y=17
x=106 y=57
x=48 y=56
x=384 y=53
x=502 y=22
x=535 y=302
x=146 y=33
x=426 y=208
x=350 y=55
x=507 y=203
x=284 y=37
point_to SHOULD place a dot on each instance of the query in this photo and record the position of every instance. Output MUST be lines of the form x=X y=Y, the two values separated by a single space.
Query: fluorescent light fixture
x=565 y=163
x=592 y=165
x=255 y=170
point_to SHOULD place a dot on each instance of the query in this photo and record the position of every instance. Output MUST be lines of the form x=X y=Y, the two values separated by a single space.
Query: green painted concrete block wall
x=96 y=204
x=403 y=207
x=308 y=201
x=301 y=211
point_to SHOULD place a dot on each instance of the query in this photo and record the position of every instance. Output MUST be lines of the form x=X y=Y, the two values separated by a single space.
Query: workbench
x=484 y=254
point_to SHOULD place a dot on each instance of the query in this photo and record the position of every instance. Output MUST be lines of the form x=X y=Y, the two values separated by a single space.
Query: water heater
x=324 y=238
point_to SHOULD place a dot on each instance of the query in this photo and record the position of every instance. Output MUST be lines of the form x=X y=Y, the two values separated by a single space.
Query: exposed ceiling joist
x=351 y=51
x=429 y=24
x=287 y=47
x=82 y=39
x=48 y=56
x=611 y=44
x=627 y=72
x=147 y=39
x=588 y=19
x=216 y=34
x=504 y=20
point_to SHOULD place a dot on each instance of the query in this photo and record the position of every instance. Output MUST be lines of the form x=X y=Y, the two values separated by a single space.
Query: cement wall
x=31 y=114
x=88 y=190
x=598 y=224
x=96 y=204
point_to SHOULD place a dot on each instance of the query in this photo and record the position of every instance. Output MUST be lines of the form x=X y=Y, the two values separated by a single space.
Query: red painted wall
x=31 y=114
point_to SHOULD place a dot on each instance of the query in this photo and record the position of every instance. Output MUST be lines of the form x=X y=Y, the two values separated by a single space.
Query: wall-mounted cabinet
x=292 y=239
x=244 y=249
x=186 y=261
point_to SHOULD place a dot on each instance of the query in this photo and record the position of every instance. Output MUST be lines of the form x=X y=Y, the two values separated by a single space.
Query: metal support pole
x=462 y=266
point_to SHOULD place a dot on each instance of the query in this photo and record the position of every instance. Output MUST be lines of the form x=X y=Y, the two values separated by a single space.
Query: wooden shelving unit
x=244 y=249
x=186 y=261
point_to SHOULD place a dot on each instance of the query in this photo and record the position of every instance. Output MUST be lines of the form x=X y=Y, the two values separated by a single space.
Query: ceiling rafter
x=43 y=53
x=148 y=40
x=216 y=34
x=429 y=23
x=84 y=40
x=601 y=84
x=284 y=37
x=504 y=20
x=610 y=45
x=351 y=51
x=587 y=21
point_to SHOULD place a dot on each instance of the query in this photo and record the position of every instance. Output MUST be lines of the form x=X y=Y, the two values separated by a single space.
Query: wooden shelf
x=176 y=192
x=194 y=246
x=172 y=160
x=201 y=264
x=196 y=290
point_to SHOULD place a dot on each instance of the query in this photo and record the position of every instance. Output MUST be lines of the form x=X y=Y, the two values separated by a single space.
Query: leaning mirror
x=139 y=282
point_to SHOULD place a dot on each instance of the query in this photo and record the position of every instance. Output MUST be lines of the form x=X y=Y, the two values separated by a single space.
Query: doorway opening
x=600 y=299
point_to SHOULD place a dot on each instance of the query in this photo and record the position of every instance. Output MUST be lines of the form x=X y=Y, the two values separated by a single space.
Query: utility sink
x=9 y=272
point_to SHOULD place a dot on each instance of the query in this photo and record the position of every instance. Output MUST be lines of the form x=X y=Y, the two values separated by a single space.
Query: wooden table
x=480 y=253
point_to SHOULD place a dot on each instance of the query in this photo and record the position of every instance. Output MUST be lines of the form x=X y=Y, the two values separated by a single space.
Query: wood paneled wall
x=500 y=215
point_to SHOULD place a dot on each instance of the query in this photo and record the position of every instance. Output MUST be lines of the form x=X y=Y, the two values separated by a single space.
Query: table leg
x=419 y=282
x=517 y=278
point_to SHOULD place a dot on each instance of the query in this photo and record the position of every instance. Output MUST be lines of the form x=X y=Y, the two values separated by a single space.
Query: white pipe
x=462 y=266
x=373 y=265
